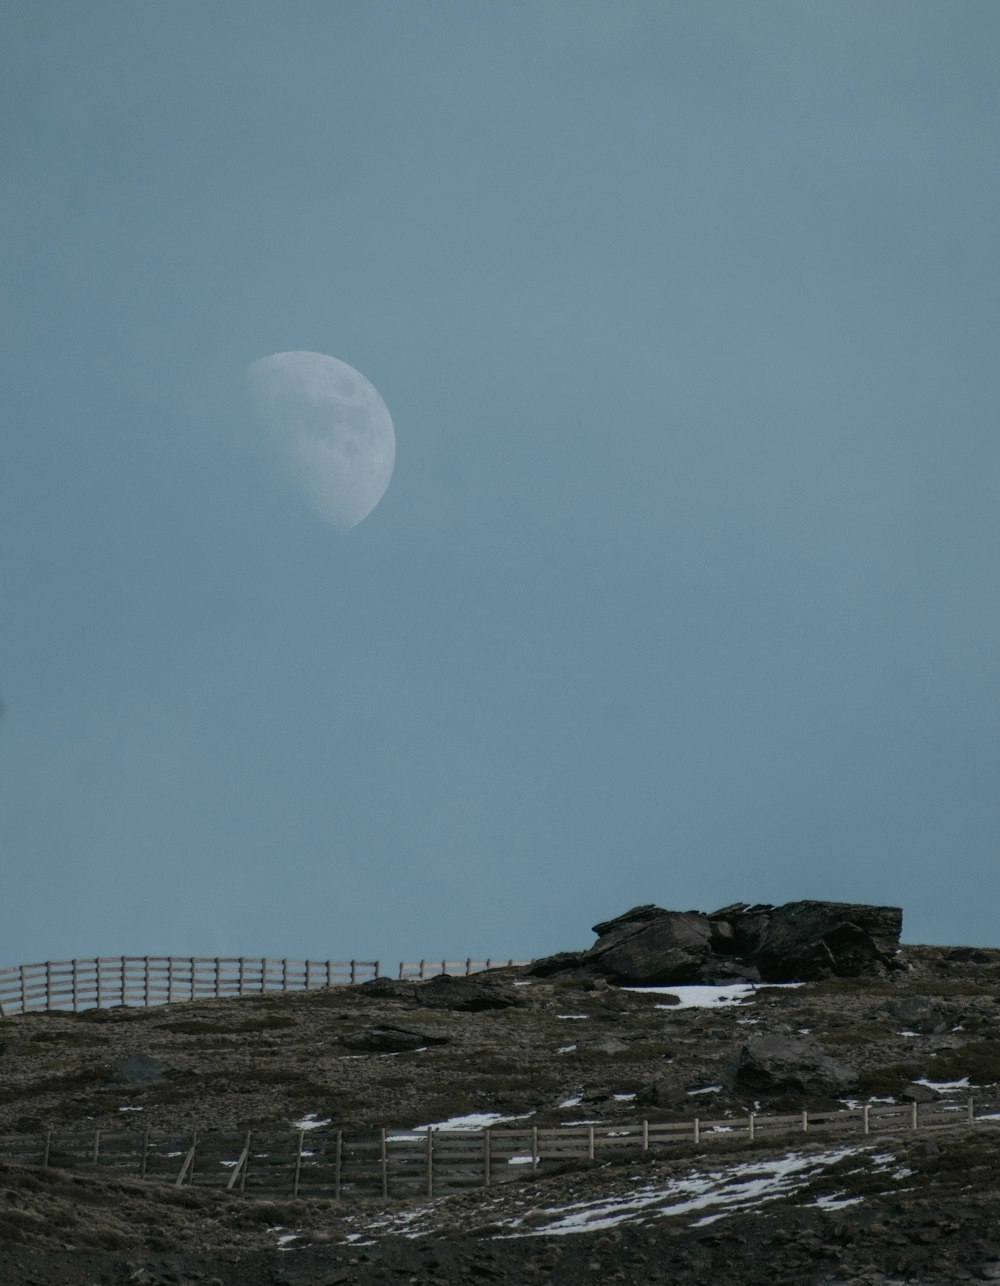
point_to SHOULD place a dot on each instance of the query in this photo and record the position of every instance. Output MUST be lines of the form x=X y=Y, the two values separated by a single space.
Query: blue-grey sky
x=684 y=589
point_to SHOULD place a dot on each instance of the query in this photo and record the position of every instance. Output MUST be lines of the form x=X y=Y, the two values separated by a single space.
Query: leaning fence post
x=48 y=1148
x=430 y=1161
x=298 y=1165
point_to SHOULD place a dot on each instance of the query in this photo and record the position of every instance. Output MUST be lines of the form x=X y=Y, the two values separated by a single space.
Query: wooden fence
x=102 y=981
x=343 y=1164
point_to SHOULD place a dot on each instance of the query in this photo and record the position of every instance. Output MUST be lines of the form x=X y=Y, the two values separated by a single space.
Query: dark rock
x=387 y=1039
x=771 y=1064
x=603 y=1044
x=668 y=1092
x=809 y=940
x=919 y=1094
x=798 y=941
x=139 y=1071
x=563 y=962
x=469 y=995
x=653 y=949
x=919 y=1013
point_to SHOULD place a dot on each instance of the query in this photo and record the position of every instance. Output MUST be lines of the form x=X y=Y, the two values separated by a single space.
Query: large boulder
x=811 y=939
x=645 y=946
x=389 y=1039
x=779 y=1064
x=648 y=945
x=468 y=995
x=798 y=941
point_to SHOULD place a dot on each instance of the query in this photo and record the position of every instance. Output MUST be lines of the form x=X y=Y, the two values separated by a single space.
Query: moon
x=331 y=428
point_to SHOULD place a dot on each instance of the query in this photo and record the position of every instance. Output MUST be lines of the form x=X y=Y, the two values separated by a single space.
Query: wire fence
x=104 y=981
x=345 y=1163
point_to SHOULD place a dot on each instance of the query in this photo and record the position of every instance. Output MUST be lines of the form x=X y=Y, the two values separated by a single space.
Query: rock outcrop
x=774 y=1064
x=797 y=941
x=389 y=1039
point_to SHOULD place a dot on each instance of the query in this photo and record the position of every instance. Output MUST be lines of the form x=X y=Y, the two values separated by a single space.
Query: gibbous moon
x=332 y=429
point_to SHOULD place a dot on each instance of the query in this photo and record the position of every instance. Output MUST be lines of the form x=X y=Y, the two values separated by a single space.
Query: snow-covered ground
x=691 y=996
x=472 y=1121
x=708 y=1193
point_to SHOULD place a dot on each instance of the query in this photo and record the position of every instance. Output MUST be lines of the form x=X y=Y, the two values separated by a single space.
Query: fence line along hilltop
x=103 y=981
x=435 y=1161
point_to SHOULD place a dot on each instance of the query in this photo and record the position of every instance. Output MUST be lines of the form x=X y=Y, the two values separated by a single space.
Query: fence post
x=805 y=1121
x=534 y=1149
x=645 y=1136
x=972 y=1111
x=338 y=1164
x=97 y=1147
x=590 y=1143
x=384 y=1162
x=468 y=966
x=430 y=1161
x=750 y=1126
x=354 y=972
x=487 y=1157
x=913 y=1115
x=378 y=966
x=238 y=1167
x=97 y=966
x=402 y=971
x=284 y=974
x=298 y=1165
x=145 y=1154
x=246 y=1164
x=865 y=1122
x=72 y=983
x=423 y=973
x=48 y=984
x=48 y=1148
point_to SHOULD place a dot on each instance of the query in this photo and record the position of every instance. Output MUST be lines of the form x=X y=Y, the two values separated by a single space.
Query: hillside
x=917 y=1206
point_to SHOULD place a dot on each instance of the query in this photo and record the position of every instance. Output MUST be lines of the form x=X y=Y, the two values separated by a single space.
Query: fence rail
x=103 y=981
x=431 y=1162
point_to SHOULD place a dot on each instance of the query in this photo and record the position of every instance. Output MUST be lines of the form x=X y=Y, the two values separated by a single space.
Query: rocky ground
x=904 y=1208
